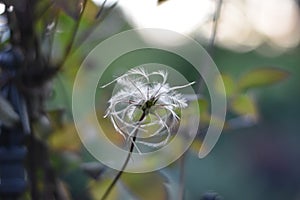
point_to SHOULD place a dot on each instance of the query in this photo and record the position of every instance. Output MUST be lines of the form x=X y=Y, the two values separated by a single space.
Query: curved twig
x=115 y=180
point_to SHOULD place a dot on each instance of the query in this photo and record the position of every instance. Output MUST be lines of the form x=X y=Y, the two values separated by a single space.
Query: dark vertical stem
x=85 y=35
x=118 y=176
x=73 y=36
x=214 y=27
x=101 y=9
x=211 y=43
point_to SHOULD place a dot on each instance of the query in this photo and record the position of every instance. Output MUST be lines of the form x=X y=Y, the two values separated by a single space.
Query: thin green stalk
x=214 y=27
x=118 y=176
x=73 y=36
x=211 y=43
x=84 y=36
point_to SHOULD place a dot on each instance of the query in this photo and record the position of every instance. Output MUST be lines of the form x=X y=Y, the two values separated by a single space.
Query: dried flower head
x=147 y=104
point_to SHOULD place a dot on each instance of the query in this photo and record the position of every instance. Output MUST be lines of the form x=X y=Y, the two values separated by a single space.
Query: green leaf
x=261 y=77
x=146 y=186
x=244 y=105
x=97 y=189
x=203 y=106
x=70 y=7
x=196 y=145
x=65 y=139
x=229 y=84
x=90 y=12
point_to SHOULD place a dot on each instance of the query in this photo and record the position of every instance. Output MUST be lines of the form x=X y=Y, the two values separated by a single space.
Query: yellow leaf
x=65 y=139
x=261 y=77
x=146 y=186
x=244 y=105
x=229 y=84
x=97 y=189
x=195 y=146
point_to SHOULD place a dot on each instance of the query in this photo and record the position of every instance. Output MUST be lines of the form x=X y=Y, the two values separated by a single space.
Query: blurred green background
x=253 y=160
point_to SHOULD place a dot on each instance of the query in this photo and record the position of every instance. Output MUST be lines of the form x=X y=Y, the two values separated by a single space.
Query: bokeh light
x=243 y=25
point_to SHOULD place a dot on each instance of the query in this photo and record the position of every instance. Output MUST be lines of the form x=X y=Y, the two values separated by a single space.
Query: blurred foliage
x=69 y=29
x=261 y=77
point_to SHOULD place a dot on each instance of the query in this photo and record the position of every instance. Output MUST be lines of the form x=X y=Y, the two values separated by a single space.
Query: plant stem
x=101 y=9
x=86 y=34
x=111 y=186
x=73 y=36
x=211 y=43
x=217 y=13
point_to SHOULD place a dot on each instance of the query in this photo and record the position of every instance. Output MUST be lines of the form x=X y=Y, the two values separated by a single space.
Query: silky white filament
x=147 y=93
